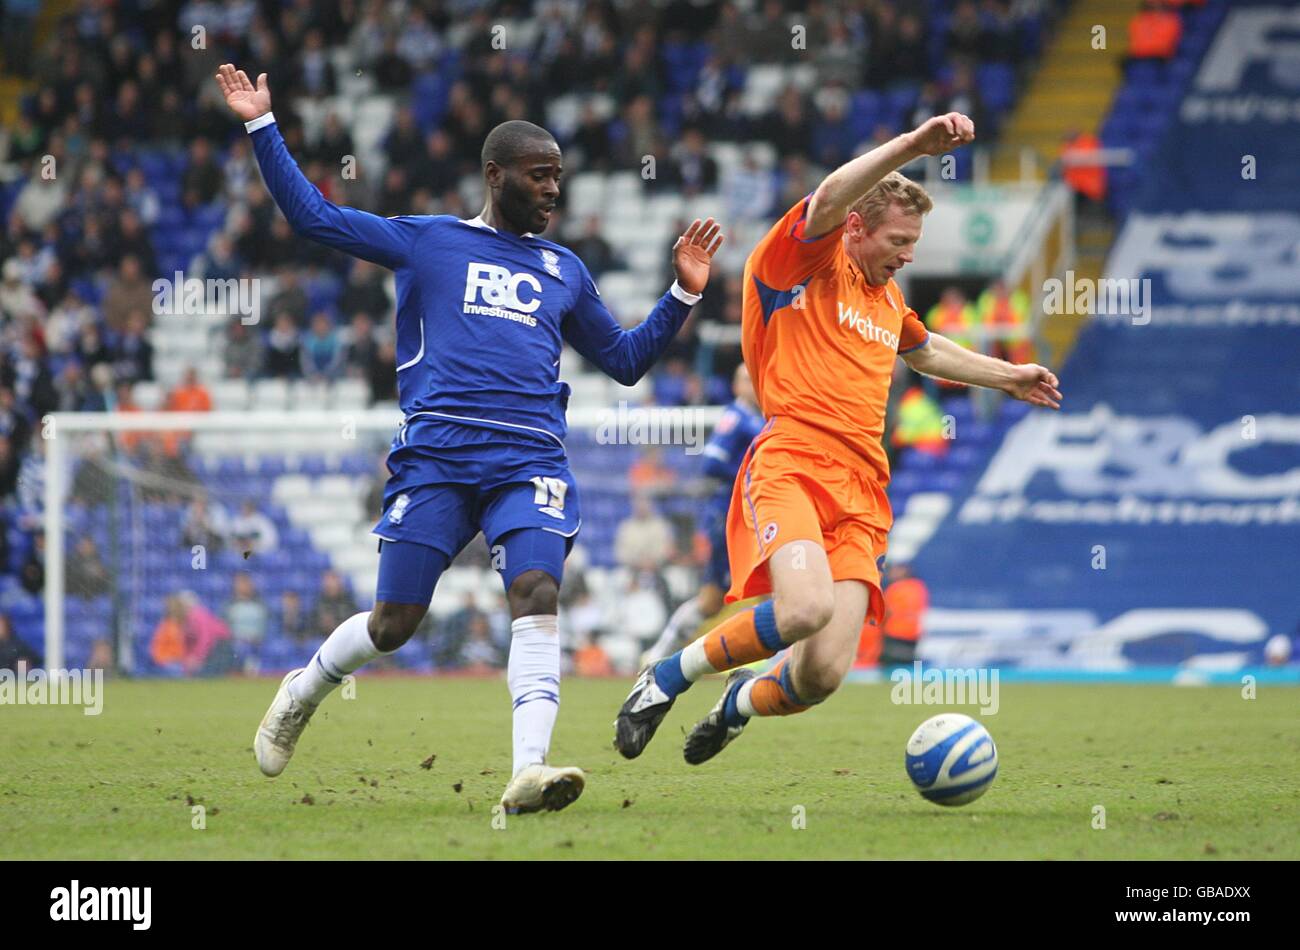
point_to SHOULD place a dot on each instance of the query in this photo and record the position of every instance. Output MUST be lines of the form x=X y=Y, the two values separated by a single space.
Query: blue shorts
x=449 y=481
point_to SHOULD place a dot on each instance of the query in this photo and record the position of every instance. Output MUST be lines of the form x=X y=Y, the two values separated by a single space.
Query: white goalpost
x=126 y=478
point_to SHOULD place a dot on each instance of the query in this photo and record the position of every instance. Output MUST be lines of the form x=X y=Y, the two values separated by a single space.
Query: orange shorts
x=799 y=484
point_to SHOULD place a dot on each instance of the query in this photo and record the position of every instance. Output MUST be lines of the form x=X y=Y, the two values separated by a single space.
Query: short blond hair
x=893 y=189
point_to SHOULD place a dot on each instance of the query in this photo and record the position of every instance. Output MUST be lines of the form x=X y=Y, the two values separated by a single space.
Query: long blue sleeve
x=624 y=355
x=383 y=241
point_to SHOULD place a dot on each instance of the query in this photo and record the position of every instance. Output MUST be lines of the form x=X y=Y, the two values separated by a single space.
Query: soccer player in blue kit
x=483 y=308
x=740 y=422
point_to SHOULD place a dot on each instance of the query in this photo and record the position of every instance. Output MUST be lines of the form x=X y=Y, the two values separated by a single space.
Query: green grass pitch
x=1197 y=773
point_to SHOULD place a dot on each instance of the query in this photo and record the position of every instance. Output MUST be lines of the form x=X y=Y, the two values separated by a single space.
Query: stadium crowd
x=123 y=146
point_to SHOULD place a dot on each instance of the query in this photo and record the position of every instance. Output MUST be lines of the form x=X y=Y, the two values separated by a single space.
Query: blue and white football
x=951 y=759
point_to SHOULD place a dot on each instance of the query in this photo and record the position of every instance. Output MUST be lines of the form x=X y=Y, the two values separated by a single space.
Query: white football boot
x=543 y=788
x=280 y=728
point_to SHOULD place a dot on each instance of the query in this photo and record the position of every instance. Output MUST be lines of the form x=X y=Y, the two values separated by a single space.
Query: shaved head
x=510 y=141
x=522 y=165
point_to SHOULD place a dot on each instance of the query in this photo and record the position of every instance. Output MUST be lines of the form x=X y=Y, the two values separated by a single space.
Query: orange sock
x=772 y=694
x=743 y=638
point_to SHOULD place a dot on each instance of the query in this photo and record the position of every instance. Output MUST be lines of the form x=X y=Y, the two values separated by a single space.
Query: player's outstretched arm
x=383 y=241
x=841 y=188
x=944 y=359
x=626 y=355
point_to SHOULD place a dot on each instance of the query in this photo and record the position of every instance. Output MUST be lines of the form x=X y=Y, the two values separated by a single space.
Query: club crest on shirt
x=551 y=261
x=769 y=533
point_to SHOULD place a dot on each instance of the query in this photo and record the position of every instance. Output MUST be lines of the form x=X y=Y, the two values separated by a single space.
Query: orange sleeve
x=913 y=334
x=785 y=257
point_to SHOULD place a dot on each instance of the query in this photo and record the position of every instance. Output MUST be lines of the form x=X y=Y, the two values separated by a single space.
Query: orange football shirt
x=819 y=341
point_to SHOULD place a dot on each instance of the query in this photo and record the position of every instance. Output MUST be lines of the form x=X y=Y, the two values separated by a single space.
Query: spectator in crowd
x=749 y=190
x=479 y=654
x=1085 y=177
x=204 y=525
x=965 y=33
x=292 y=620
x=894 y=643
x=283 y=348
x=383 y=373
x=365 y=292
x=392 y=72
x=321 y=354
x=73 y=388
x=452 y=634
x=334 y=605
x=1154 y=32
x=594 y=250
x=251 y=531
x=32 y=573
x=954 y=317
x=691 y=170
x=190 y=640
x=248 y=617
x=13 y=650
x=17 y=299
x=189 y=395
x=91 y=350
x=203 y=175
x=643 y=539
x=920 y=423
x=1004 y=316
x=245 y=352
x=359 y=347
x=648 y=474
x=289 y=298
x=131 y=238
x=130 y=290
x=87 y=576
x=141 y=197
x=9 y=466
x=590 y=658
x=789 y=127
x=133 y=353
x=218 y=261
x=334 y=143
x=65 y=323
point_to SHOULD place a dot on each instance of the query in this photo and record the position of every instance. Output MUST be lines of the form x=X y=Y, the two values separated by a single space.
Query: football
x=951 y=759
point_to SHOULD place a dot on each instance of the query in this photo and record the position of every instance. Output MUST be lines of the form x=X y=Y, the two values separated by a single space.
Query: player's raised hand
x=245 y=100
x=1035 y=385
x=693 y=253
x=943 y=133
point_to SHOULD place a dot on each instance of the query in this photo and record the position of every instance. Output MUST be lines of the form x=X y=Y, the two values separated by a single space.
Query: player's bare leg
x=534 y=679
x=803 y=602
x=810 y=672
x=354 y=643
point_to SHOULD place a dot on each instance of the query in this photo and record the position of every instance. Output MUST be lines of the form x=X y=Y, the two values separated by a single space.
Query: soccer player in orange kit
x=823 y=321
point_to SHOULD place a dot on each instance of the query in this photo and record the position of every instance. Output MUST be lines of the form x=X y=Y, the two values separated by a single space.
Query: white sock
x=344 y=651
x=695 y=662
x=534 y=678
x=683 y=621
x=743 y=705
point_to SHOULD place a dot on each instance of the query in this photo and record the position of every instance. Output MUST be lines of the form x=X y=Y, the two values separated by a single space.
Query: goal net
x=208 y=543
